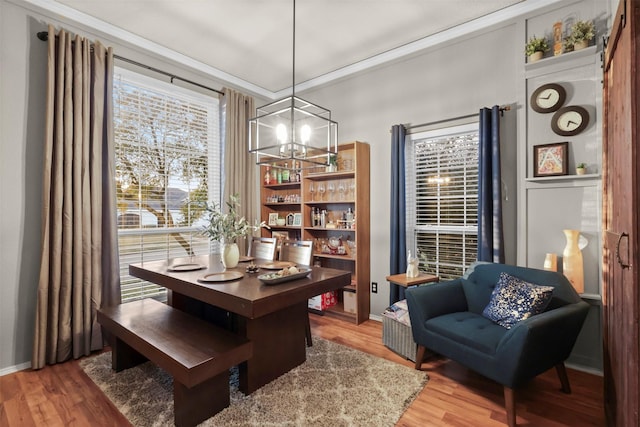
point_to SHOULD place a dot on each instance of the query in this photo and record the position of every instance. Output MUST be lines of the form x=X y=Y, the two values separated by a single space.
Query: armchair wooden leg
x=510 y=406
x=420 y=356
x=564 y=379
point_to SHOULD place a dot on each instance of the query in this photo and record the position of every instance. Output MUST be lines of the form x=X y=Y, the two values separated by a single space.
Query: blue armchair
x=447 y=318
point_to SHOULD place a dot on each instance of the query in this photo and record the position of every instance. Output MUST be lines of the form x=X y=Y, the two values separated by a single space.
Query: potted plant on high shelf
x=333 y=164
x=226 y=227
x=536 y=47
x=581 y=168
x=582 y=32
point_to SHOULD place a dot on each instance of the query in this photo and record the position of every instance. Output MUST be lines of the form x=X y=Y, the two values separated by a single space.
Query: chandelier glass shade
x=293 y=129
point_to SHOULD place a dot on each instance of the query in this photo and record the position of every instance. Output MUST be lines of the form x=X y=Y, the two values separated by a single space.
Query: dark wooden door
x=620 y=217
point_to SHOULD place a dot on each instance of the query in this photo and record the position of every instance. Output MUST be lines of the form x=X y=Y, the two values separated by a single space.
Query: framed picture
x=273 y=218
x=297 y=219
x=550 y=159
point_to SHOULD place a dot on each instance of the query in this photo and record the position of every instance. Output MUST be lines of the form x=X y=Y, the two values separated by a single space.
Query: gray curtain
x=240 y=170
x=79 y=270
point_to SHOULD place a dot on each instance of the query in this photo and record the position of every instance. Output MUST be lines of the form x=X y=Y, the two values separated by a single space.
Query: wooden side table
x=402 y=279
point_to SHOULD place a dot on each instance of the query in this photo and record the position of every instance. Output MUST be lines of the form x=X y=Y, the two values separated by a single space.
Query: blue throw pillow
x=514 y=300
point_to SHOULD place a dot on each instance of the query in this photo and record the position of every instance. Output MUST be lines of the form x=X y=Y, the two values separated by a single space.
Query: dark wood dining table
x=272 y=316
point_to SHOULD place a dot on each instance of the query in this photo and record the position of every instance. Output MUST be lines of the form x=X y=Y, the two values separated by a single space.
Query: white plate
x=186 y=267
x=276 y=265
x=273 y=278
x=223 y=276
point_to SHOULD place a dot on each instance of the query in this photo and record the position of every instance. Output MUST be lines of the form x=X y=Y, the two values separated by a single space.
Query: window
x=442 y=198
x=168 y=160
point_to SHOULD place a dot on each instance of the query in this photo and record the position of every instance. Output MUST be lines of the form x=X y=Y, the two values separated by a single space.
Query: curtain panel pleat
x=398 y=249
x=239 y=169
x=490 y=233
x=79 y=252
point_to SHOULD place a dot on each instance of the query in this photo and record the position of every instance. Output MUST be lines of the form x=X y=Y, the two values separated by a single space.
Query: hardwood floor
x=62 y=395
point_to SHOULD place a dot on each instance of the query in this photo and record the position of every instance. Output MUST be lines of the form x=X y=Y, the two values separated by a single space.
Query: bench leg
x=123 y=356
x=191 y=406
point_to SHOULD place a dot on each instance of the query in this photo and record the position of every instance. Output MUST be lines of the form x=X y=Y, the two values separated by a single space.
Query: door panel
x=620 y=219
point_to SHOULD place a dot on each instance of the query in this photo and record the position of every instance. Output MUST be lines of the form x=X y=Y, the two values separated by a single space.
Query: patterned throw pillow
x=513 y=300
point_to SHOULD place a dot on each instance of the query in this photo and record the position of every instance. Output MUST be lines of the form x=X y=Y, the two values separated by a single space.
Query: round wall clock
x=548 y=98
x=569 y=121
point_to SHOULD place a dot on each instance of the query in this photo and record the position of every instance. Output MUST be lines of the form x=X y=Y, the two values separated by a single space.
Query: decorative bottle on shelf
x=274 y=174
x=349 y=218
x=267 y=177
x=298 y=173
x=285 y=173
x=279 y=176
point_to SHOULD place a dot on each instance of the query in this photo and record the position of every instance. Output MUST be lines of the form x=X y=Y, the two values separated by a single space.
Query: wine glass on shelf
x=352 y=188
x=321 y=190
x=342 y=187
x=331 y=188
x=312 y=190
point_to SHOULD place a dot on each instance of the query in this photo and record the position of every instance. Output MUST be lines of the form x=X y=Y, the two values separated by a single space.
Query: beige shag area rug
x=336 y=386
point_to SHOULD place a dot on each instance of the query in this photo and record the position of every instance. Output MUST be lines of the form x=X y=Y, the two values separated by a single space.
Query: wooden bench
x=197 y=354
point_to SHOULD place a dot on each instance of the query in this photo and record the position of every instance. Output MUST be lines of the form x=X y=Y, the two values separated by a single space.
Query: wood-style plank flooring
x=62 y=395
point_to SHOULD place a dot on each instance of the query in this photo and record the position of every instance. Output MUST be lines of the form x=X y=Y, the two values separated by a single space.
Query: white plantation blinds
x=442 y=198
x=168 y=163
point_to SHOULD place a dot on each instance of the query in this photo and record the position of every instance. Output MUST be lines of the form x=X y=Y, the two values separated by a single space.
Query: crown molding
x=91 y=24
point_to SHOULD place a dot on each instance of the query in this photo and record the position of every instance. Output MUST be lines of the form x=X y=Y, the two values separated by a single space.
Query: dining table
x=270 y=313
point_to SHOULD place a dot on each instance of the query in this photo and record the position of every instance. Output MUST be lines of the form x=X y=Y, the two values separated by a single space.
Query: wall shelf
x=563 y=177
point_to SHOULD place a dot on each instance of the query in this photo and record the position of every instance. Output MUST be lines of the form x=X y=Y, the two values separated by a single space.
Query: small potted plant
x=333 y=163
x=582 y=32
x=536 y=48
x=581 y=168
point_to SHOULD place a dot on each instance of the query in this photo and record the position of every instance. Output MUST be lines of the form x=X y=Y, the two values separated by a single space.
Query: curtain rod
x=437 y=122
x=44 y=36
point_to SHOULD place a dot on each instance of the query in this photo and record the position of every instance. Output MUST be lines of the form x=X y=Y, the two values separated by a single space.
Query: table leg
x=278 y=345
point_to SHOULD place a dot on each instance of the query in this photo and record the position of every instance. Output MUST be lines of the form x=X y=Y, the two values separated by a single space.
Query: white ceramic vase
x=572 y=266
x=230 y=255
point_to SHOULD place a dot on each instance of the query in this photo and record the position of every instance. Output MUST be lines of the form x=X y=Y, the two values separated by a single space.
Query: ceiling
x=249 y=42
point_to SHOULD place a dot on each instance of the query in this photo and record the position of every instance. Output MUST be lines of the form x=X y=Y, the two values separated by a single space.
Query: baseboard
x=15 y=368
x=586 y=369
x=375 y=317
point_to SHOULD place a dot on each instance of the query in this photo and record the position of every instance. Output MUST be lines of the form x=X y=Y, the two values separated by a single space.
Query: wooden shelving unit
x=296 y=198
x=352 y=235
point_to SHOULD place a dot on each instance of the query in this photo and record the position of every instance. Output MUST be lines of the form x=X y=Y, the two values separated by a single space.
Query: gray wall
x=452 y=80
x=22 y=88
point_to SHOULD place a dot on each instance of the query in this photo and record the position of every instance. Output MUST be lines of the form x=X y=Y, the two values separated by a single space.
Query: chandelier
x=293 y=129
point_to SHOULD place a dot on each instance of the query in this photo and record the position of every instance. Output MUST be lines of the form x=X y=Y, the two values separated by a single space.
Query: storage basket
x=398 y=337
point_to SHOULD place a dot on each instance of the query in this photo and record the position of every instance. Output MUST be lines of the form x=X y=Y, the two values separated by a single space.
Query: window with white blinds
x=168 y=164
x=442 y=199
